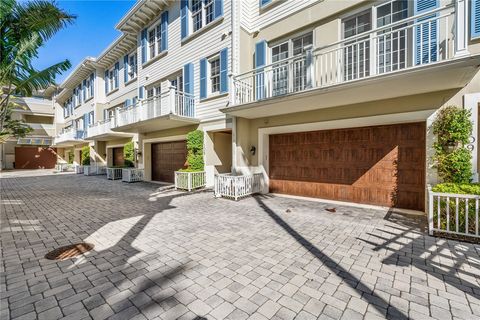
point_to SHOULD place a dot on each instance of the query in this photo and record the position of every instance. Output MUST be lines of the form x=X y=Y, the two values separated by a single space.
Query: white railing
x=94 y=169
x=79 y=169
x=453 y=214
x=170 y=102
x=420 y=40
x=99 y=128
x=70 y=135
x=132 y=175
x=235 y=187
x=114 y=173
x=190 y=180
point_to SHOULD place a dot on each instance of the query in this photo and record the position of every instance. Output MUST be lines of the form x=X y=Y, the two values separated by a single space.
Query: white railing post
x=117 y=116
x=172 y=106
x=461 y=28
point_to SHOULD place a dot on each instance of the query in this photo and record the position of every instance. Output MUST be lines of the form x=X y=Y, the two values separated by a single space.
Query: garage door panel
x=167 y=157
x=35 y=158
x=382 y=165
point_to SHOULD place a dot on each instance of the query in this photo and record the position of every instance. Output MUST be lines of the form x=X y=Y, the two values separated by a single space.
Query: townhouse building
x=327 y=99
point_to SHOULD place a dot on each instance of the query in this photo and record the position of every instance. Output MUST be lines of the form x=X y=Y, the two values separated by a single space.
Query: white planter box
x=93 y=170
x=190 y=180
x=236 y=187
x=79 y=169
x=114 y=173
x=63 y=167
x=132 y=175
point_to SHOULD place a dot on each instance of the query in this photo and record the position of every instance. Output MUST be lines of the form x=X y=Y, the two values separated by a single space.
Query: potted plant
x=192 y=177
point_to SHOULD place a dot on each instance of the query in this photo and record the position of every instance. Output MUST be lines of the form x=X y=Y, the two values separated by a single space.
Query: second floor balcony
x=423 y=53
x=167 y=110
x=102 y=130
x=70 y=137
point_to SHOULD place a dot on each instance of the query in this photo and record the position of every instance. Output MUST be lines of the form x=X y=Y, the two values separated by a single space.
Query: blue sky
x=93 y=30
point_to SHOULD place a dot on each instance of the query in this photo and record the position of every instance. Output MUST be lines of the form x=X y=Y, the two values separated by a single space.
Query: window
x=154 y=91
x=215 y=74
x=155 y=35
x=112 y=80
x=203 y=13
x=357 y=52
x=177 y=82
x=132 y=66
x=151 y=43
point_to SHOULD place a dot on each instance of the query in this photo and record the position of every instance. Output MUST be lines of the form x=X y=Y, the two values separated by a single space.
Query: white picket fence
x=114 y=173
x=236 y=187
x=79 y=169
x=132 y=175
x=190 y=180
x=64 y=167
x=454 y=214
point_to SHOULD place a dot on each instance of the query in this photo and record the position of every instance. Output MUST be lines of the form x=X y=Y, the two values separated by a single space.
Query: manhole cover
x=69 y=251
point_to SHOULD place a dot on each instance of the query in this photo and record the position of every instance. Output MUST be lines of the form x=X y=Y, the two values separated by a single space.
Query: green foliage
x=195 y=151
x=85 y=156
x=25 y=26
x=458 y=188
x=70 y=157
x=129 y=154
x=453 y=128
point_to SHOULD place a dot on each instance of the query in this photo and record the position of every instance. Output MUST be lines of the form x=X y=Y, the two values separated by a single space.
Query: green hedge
x=129 y=155
x=71 y=157
x=195 y=151
x=459 y=188
x=85 y=156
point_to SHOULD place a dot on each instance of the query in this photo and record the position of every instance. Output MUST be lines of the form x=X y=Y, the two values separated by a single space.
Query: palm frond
x=30 y=80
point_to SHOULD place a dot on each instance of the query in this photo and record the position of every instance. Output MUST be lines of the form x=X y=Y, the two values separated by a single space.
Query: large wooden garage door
x=118 y=159
x=168 y=157
x=35 y=158
x=382 y=165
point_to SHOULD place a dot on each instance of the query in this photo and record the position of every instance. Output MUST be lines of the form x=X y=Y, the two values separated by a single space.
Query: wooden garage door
x=35 y=158
x=118 y=159
x=168 y=157
x=382 y=165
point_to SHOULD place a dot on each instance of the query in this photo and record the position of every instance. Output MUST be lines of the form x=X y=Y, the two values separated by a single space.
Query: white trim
x=471 y=102
x=116 y=146
x=165 y=139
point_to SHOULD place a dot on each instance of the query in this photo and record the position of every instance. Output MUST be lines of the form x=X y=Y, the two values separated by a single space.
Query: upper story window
x=196 y=14
x=202 y=13
x=111 y=78
x=215 y=74
x=132 y=66
x=154 y=91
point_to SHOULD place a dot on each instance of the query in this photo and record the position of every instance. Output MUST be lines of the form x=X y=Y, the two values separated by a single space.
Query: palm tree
x=24 y=28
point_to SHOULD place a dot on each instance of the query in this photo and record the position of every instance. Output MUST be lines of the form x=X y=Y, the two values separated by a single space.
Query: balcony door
x=280 y=69
x=357 y=51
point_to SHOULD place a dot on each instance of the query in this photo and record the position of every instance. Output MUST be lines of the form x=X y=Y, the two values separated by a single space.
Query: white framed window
x=132 y=66
x=154 y=91
x=202 y=12
x=155 y=40
x=177 y=82
x=214 y=74
x=151 y=43
x=111 y=79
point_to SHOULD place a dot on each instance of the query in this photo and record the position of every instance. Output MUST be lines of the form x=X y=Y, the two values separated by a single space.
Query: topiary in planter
x=453 y=128
x=70 y=157
x=85 y=156
x=129 y=154
x=195 y=151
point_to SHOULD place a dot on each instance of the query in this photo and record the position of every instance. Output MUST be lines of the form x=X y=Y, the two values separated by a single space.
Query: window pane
x=159 y=38
x=208 y=11
x=151 y=42
x=215 y=75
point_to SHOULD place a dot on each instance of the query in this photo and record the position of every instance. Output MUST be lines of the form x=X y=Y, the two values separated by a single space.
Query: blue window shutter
x=188 y=78
x=264 y=2
x=218 y=8
x=85 y=121
x=106 y=81
x=92 y=84
x=425 y=46
x=84 y=90
x=203 y=78
x=224 y=70
x=125 y=68
x=475 y=23
x=105 y=114
x=260 y=61
x=117 y=66
x=164 y=44
x=184 y=18
x=141 y=92
x=143 y=43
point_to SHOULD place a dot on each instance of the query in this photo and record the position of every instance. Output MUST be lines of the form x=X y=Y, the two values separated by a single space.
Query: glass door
x=280 y=69
x=357 y=52
x=301 y=67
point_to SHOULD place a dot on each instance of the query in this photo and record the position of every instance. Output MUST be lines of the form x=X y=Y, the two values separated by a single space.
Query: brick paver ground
x=168 y=255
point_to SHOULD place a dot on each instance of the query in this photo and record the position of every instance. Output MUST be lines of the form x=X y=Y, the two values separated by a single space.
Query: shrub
x=453 y=128
x=458 y=188
x=195 y=151
x=85 y=156
x=129 y=154
x=70 y=157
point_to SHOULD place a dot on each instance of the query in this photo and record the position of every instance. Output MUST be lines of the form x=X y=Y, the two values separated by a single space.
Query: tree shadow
x=455 y=263
x=351 y=280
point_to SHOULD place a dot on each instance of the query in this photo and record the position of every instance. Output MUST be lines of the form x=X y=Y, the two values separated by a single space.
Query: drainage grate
x=70 y=251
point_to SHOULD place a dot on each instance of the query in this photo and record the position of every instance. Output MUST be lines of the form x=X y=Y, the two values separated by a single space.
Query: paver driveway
x=172 y=255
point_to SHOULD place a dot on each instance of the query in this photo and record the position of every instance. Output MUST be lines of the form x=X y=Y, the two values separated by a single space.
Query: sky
x=92 y=32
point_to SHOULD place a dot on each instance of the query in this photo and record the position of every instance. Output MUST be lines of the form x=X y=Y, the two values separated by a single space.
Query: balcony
x=416 y=55
x=69 y=138
x=169 y=109
x=103 y=131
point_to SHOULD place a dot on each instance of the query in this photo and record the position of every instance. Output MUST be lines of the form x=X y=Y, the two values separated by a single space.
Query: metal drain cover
x=70 y=251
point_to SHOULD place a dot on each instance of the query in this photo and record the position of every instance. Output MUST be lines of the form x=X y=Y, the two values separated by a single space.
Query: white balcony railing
x=70 y=135
x=420 y=40
x=100 y=128
x=170 y=102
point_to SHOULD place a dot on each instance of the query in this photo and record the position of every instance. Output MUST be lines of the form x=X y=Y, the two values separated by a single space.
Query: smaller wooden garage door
x=118 y=159
x=168 y=157
x=381 y=165
x=35 y=158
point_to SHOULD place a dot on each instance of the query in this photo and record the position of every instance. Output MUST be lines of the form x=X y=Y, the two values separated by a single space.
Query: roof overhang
x=81 y=71
x=168 y=121
x=121 y=46
x=140 y=15
x=107 y=136
x=430 y=78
